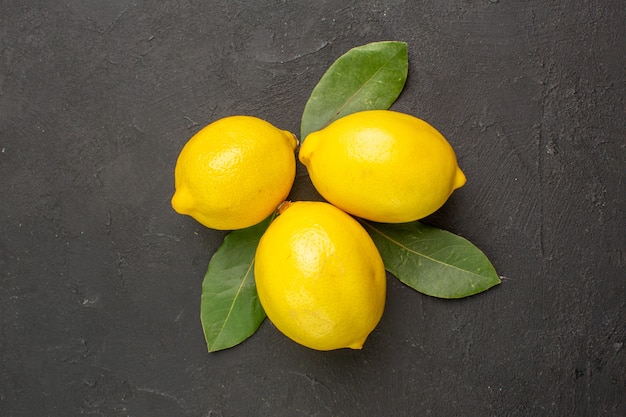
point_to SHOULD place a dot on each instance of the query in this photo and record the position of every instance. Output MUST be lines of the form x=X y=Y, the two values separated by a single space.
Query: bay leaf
x=230 y=310
x=431 y=260
x=368 y=77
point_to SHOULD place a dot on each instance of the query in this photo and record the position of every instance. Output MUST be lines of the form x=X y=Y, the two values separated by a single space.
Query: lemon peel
x=233 y=173
x=319 y=277
x=382 y=165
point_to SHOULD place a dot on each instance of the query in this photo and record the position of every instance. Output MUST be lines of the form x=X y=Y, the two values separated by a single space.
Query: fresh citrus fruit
x=234 y=173
x=382 y=165
x=319 y=277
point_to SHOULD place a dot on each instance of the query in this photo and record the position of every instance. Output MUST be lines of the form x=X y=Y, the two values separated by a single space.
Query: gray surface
x=100 y=279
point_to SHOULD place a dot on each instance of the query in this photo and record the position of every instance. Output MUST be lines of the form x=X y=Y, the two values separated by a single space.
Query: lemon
x=319 y=277
x=234 y=172
x=382 y=165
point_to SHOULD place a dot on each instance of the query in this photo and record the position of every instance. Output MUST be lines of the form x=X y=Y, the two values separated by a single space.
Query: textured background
x=100 y=279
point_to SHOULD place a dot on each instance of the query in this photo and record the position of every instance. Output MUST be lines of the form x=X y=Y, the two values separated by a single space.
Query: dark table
x=100 y=279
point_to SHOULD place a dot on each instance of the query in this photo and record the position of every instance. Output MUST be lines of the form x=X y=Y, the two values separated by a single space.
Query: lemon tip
x=292 y=138
x=459 y=179
x=358 y=345
x=180 y=202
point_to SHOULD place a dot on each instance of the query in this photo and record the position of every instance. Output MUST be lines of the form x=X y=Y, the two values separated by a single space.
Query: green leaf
x=433 y=261
x=230 y=310
x=369 y=77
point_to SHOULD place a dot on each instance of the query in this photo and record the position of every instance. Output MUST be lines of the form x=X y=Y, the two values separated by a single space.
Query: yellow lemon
x=234 y=173
x=382 y=165
x=319 y=277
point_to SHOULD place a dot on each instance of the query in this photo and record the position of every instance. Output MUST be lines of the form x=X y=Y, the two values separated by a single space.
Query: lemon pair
x=319 y=276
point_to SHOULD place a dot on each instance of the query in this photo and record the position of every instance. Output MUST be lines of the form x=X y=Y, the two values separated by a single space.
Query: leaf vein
x=410 y=250
x=356 y=93
x=235 y=298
